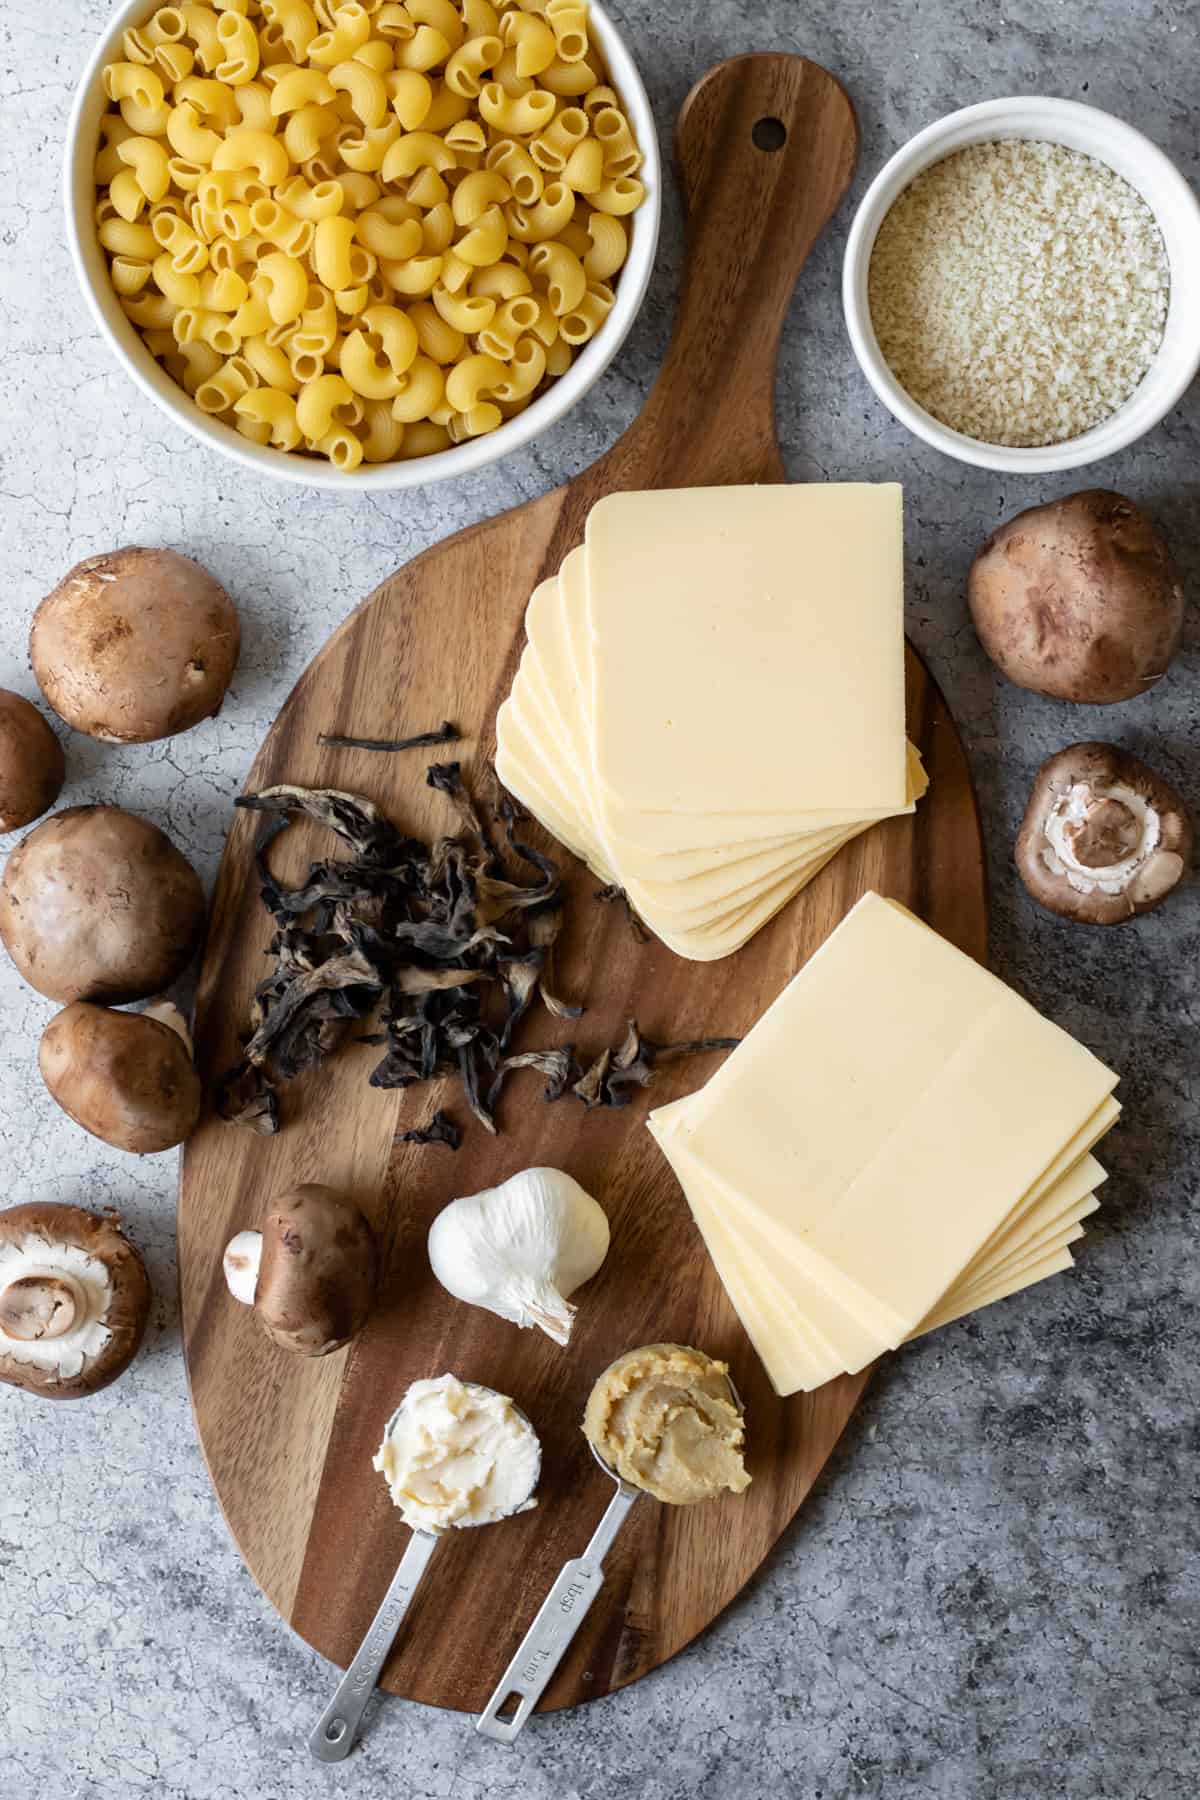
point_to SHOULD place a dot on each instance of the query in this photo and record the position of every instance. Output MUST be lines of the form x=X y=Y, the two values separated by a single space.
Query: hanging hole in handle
x=510 y=1706
x=769 y=134
x=335 y=1731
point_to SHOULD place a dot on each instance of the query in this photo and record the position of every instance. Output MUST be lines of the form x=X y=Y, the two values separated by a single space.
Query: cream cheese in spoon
x=455 y=1454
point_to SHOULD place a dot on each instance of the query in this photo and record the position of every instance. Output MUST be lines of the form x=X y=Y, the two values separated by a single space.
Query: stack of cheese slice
x=711 y=698
x=900 y=1140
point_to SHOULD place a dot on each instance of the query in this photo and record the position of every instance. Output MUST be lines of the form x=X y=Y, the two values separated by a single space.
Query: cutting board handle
x=766 y=146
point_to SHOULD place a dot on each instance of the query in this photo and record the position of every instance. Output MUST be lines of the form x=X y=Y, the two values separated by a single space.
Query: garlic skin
x=456 y=1454
x=521 y=1248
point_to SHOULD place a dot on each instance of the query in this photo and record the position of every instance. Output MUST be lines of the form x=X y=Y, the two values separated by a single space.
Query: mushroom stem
x=169 y=1014
x=1103 y=837
x=36 y=1307
x=1099 y=835
x=243 y=1255
x=1108 y=833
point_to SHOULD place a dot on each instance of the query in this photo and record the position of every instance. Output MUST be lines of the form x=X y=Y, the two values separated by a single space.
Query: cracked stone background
x=994 y=1591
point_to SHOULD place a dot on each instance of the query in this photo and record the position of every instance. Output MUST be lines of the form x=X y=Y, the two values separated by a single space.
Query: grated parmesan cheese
x=1018 y=291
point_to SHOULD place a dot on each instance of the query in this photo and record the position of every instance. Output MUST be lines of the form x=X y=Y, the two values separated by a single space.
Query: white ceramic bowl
x=79 y=196
x=1145 y=167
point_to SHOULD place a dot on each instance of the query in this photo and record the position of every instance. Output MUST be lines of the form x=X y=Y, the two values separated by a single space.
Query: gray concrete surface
x=994 y=1593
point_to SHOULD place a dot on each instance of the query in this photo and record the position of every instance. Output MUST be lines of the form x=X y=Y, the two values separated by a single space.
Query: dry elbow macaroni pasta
x=364 y=231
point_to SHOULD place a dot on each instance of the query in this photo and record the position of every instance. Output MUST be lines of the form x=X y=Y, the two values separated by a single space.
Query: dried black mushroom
x=636 y=1060
x=356 y=820
x=445 y=947
x=633 y=1063
x=544 y=927
x=605 y=1080
x=248 y=1097
x=445 y=944
x=441 y=1129
x=558 y=1066
x=446 y=733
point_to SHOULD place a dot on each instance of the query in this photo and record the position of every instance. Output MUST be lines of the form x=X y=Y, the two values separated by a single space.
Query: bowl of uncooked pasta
x=363 y=246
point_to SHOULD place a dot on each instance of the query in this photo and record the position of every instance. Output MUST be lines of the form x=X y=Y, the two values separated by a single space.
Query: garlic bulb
x=519 y=1249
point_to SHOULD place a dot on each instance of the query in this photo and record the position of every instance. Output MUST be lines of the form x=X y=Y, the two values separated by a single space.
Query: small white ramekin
x=79 y=195
x=1165 y=192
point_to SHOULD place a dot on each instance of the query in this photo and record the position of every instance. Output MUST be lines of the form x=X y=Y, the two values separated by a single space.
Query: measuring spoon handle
x=338 y=1726
x=561 y=1614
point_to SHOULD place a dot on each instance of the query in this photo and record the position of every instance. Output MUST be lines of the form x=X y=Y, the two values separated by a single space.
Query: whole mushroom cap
x=318 y=1270
x=124 y=1077
x=32 y=767
x=134 y=645
x=98 y=904
x=1078 y=599
x=74 y=1300
x=1104 y=837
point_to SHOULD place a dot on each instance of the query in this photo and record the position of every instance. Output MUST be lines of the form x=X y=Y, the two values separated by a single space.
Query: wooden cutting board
x=289 y=1441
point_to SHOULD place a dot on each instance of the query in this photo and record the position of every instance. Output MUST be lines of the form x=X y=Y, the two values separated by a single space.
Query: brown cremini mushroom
x=310 y=1273
x=135 y=645
x=1078 y=599
x=97 y=904
x=1103 y=837
x=32 y=769
x=128 y=1078
x=74 y=1300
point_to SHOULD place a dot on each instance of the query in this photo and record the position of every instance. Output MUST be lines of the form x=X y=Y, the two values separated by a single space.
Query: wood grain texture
x=288 y=1441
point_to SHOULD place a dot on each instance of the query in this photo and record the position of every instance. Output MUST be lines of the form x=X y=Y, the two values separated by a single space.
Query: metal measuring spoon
x=561 y=1614
x=337 y=1729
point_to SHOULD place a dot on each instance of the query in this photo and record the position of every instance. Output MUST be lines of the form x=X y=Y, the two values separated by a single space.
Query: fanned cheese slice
x=1056 y=1264
x=782 y=1335
x=899 y=1140
x=717 y=901
x=730 y=1233
x=892 y=1077
x=778 y=609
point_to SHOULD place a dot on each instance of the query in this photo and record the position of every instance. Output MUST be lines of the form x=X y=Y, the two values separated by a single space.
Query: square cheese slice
x=747 y=650
x=1054 y=1206
x=1045 y=1245
x=769 y=1317
x=1064 y=1194
x=534 y=709
x=784 y=1333
x=565 y=645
